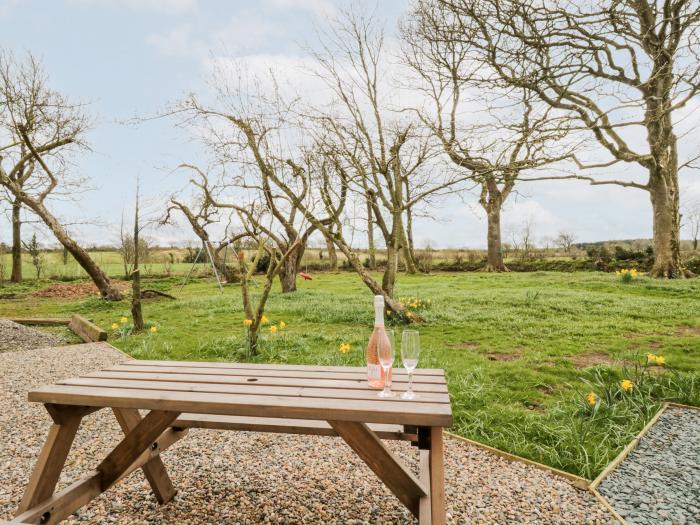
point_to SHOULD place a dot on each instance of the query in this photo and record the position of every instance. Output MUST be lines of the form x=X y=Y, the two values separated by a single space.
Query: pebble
x=14 y=337
x=252 y=478
x=659 y=482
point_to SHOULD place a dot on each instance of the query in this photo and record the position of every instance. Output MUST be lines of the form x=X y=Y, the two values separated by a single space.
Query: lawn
x=521 y=350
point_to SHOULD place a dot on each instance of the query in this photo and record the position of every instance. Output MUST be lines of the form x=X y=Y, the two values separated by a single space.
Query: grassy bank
x=521 y=350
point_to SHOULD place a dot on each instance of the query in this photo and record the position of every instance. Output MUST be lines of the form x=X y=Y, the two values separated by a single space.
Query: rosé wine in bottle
x=375 y=374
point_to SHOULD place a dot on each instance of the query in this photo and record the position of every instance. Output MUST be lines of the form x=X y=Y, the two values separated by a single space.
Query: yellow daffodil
x=153 y=329
x=344 y=348
x=660 y=360
x=592 y=398
x=283 y=324
x=273 y=329
x=247 y=322
x=124 y=320
x=264 y=319
x=115 y=326
x=651 y=358
x=626 y=385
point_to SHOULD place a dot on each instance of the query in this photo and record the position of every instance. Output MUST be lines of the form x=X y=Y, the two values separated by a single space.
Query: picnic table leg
x=437 y=476
x=119 y=463
x=383 y=463
x=52 y=456
x=154 y=470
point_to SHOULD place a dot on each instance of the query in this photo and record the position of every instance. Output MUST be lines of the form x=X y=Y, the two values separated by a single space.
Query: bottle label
x=374 y=372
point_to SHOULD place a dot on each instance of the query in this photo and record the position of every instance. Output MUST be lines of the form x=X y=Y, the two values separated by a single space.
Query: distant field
x=158 y=262
x=518 y=348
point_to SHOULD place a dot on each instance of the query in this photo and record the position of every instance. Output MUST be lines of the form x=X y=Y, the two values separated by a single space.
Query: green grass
x=507 y=342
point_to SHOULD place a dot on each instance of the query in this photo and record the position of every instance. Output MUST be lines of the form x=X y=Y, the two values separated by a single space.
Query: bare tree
x=615 y=68
x=692 y=222
x=565 y=240
x=127 y=249
x=253 y=141
x=527 y=236
x=509 y=134
x=39 y=130
x=382 y=147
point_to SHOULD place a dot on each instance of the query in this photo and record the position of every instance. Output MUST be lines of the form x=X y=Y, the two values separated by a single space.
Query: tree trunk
x=408 y=253
x=663 y=191
x=228 y=273
x=16 y=276
x=695 y=244
x=370 y=237
x=288 y=275
x=136 y=311
x=332 y=254
x=104 y=285
x=392 y=266
x=494 y=257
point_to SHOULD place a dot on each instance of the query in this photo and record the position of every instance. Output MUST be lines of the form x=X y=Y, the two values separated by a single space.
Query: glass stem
x=410 y=381
x=387 y=380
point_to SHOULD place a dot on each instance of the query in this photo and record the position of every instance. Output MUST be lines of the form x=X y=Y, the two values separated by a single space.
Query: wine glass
x=410 y=349
x=385 y=353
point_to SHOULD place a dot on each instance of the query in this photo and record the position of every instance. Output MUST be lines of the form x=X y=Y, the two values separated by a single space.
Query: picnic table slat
x=257 y=366
x=397 y=373
x=283 y=426
x=247 y=388
x=375 y=411
x=398 y=384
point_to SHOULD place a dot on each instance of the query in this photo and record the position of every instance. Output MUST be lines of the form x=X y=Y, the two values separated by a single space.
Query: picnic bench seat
x=156 y=402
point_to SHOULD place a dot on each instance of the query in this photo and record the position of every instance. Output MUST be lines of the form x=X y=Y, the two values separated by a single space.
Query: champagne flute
x=410 y=350
x=385 y=353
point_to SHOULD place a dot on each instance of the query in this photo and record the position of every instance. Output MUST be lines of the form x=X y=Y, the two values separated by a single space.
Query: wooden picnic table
x=321 y=400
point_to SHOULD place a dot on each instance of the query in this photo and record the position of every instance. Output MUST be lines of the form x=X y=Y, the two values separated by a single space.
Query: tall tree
x=247 y=139
x=384 y=148
x=494 y=141
x=622 y=69
x=39 y=130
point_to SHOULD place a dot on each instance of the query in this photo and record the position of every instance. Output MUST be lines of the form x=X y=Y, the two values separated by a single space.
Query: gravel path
x=659 y=482
x=247 y=478
x=15 y=337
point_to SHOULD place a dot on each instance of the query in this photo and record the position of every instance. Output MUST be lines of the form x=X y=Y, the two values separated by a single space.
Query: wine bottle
x=375 y=374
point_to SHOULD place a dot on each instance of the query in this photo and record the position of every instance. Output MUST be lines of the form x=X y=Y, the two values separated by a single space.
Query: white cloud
x=320 y=8
x=166 y=7
x=179 y=42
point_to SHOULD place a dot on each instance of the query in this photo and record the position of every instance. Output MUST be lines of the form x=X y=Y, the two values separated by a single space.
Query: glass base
x=385 y=393
x=408 y=394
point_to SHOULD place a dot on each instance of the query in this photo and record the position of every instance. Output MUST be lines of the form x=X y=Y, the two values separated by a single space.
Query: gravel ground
x=15 y=337
x=659 y=482
x=246 y=478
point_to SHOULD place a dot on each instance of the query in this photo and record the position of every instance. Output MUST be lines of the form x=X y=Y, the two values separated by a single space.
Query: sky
x=131 y=59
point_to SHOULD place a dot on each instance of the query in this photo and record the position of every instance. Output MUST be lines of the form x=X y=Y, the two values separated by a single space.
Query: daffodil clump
x=627 y=275
x=627 y=385
x=633 y=386
x=415 y=303
x=653 y=359
x=344 y=348
x=121 y=328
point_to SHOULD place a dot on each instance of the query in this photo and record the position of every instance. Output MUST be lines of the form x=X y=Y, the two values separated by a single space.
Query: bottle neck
x=379 y=316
